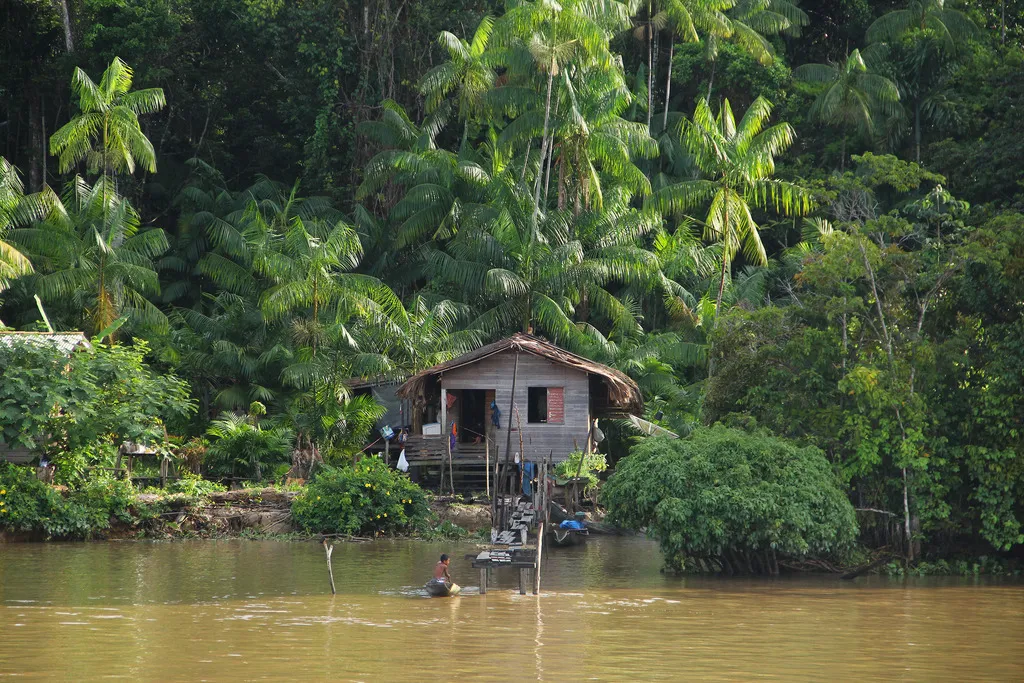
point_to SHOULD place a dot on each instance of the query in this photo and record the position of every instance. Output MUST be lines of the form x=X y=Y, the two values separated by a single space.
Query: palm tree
x=559 y=36
x=18 y=209
x=594 y=146
x=937 y=33
x=435 y=186
x=93 y=255
x=106 y=133
x=750 y=21
x=852 y=97
x=950 y=25
x=737 y=162
x=688 y=19
x=413 y=338
x=468 y=71
x=645 y=31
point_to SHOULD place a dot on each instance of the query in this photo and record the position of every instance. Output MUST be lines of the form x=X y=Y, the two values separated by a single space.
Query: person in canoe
x=441 y=584
x=441 y=569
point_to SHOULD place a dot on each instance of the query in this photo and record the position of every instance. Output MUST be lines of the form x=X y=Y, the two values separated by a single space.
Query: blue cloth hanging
x=495 y=414
x=528 y=469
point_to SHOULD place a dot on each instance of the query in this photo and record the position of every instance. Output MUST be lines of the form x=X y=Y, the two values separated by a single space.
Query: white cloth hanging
x=403 y=464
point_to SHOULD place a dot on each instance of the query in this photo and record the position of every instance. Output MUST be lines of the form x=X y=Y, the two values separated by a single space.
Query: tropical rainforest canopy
x=803 y=220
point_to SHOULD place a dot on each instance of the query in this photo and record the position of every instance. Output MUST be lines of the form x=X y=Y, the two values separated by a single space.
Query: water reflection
x=238 y=610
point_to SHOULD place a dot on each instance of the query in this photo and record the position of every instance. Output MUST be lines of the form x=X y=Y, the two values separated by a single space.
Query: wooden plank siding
x=17 y=456
x=495 y=374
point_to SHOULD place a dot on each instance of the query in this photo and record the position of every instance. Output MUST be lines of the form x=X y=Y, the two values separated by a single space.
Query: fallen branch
x=876 y=511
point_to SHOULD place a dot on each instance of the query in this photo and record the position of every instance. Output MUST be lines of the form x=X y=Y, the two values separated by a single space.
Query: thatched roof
x=623 y=392
x=66 y=342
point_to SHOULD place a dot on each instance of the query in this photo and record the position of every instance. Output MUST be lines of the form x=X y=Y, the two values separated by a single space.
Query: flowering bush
x=366 y=498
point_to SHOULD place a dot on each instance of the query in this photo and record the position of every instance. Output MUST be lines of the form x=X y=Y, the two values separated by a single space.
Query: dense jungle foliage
x=799 y=219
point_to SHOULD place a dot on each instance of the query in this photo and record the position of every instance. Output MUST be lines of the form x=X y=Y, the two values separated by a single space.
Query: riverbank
x=250 y=513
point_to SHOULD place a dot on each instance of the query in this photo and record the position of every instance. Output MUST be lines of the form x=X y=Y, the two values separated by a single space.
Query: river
x=262 y=610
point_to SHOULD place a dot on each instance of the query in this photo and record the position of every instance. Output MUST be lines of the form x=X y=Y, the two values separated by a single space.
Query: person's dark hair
x=443 y=557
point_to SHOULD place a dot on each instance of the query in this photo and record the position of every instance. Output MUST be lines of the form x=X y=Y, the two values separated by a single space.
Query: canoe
x=440 y=589
x=563 y=538
x=558 y=513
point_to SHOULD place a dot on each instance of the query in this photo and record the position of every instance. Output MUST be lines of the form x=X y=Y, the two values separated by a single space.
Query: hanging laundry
x=495 y=414
x=403 y=464
x=450 y=400
x=451 y=437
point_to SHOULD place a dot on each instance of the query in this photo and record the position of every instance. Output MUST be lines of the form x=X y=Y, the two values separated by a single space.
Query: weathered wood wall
x=495 y=373
x=18 y=456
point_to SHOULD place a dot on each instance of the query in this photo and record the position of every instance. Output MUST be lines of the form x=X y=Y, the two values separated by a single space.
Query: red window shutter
x=556 y=405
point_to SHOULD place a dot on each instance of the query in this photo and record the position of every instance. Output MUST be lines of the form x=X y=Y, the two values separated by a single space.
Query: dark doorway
x=474 y=415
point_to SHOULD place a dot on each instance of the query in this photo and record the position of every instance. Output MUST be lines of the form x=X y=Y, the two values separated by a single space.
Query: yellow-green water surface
x=247 y=610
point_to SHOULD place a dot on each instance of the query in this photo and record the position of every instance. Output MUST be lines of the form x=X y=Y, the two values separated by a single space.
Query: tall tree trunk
x=917 y=130
x=36 y=141
x=526 y=160
x=842 y=156
x=725 y=255
x=721 y=284
x=906 y=518
x=561 y=183
x=544 y=141
x=65 y=18
x=711 y=79
x=650 y=66
x=668 y=84
x=1002 y=22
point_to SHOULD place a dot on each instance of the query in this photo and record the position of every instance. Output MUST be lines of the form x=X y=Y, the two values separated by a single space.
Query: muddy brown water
x=248 y=610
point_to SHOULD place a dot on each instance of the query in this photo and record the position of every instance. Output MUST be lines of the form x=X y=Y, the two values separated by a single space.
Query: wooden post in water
x=540 y=550
x=451 y=476
x=483 y=581
x=508 y=438
x=487 y=465
x=330 y=549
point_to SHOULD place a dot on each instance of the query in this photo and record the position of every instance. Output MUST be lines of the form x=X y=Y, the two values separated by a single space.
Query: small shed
x=558 y=397
x=65 y=342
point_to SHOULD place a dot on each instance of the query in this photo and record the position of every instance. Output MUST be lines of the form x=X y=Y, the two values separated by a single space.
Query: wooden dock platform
x=519 y=545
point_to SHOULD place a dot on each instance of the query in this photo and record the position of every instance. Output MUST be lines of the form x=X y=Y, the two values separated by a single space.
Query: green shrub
x=241 y=446
x=445 y=531
x=363 y=499
x=27 y=504
x=730 y=499
x=194 y=486
x=592 y=464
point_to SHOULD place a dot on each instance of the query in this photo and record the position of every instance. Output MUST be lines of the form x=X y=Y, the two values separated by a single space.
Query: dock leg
x=523 y=578
x=483 y=581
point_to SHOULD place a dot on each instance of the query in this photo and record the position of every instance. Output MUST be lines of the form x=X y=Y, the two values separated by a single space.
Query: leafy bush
x=728 y=499
x=193 y=486
x=27 y=504
x=445 y=531
x=366 y=498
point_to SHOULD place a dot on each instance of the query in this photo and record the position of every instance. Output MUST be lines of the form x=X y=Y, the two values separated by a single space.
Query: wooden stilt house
x=557 y=398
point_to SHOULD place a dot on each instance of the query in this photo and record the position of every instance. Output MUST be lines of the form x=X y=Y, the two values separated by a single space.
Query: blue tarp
x=571 y=524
